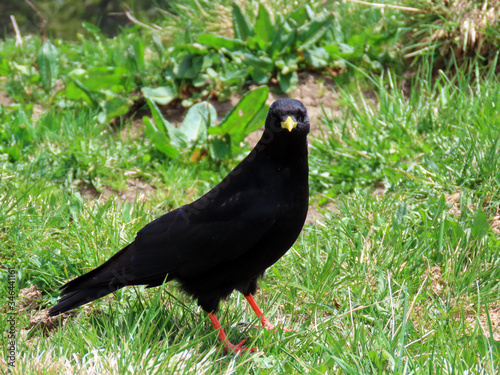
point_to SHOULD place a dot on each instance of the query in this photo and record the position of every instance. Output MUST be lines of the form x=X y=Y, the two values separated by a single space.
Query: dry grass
x=456 y=28
x=467 y=312
x=97 y=362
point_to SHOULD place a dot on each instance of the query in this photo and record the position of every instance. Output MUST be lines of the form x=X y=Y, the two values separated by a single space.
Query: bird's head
x=288 y=116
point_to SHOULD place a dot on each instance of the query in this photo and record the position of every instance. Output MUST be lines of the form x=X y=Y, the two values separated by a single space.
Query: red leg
x=223 y=337
x=266 y=323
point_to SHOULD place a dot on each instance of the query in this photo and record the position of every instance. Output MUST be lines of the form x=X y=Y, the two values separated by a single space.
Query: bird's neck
x=283 y=148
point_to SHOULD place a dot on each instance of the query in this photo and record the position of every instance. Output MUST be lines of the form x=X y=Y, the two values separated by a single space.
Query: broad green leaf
x=176 y=136
x=310 y=12
x=262 y=62
x=201 y=80
x=188 y=49
x=288 y=82
x=274 y=49
x=242 y=114
x=159 y=139
x=357 y=41
x=146 y=158
x=333 y=50
x=288 y=63
x=219 y=42
x=23 y=69
x=343 y=51
x=4 y=67
x=264 y=28
x=260 y=76
x=281 y=43
x=114 y=107
x=243 y=29
x=105 y=79
x=14 y=152
x=480 y=226
x=311 y=32
x=92 y=97
x=299 y=15
x=316 y=56
x=138 y=52
x=349 y=52
x=198 y=119
x=234 y=76
x=258 y=120
x=189 y=67
x=220 y=147
x=188 y=39
x=74 y=92
x=161 y=95
x=157 y=116
x=47 y=59
x=302 y=15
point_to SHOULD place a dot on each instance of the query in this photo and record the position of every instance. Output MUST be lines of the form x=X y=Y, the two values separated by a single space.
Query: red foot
x=228 y=347
x=238 y=349
x=265 y=322
x=272 y=328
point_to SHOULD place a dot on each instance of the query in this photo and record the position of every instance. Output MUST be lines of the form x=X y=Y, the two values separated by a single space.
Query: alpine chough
x=226 y=239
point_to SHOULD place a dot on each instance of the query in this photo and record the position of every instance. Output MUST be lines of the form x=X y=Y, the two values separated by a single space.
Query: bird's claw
x=238 y=349
x=273 y=328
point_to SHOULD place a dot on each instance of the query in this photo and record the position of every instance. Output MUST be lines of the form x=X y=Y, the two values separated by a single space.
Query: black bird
x=226 y=239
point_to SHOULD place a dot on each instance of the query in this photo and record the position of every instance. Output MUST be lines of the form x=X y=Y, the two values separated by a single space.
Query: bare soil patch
x=495 y=223
x=136 y=189
x=39 y=320
x=316 y=92
x=5 y=100
x=29 y=303
x=453 y=200
x=494 y=314
x=316 y=213
x=133 y=130
x=29 y=298
x=467 y=310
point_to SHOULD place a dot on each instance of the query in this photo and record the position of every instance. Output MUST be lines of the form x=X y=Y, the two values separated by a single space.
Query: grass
x=399 y=272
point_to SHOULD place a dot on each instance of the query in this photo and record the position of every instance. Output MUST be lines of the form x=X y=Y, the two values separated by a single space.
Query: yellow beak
x=288 y=124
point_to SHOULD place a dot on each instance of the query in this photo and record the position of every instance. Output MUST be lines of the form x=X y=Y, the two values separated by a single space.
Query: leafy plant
x=47 y=65
x=271 y=49
x=199 y=133
x=268 y=48
x=16 y=132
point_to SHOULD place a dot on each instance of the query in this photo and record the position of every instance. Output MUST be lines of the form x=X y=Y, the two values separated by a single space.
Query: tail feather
x=105 y=279
x=75 y=299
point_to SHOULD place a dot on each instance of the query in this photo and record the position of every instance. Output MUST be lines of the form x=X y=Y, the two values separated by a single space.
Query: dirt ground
x=438 y=286
x=5 y=100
